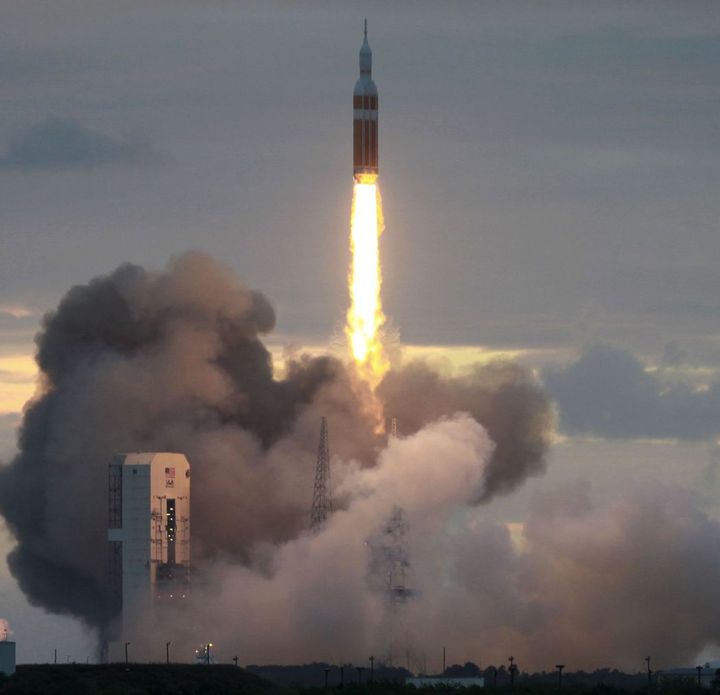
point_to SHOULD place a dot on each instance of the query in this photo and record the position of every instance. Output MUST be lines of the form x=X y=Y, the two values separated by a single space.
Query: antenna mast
x=322 y=501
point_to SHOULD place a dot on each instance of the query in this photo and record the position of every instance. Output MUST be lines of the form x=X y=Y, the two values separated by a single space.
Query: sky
x=549 y=174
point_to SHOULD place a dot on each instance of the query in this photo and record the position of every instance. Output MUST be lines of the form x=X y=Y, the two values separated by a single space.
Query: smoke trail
x=173 y=360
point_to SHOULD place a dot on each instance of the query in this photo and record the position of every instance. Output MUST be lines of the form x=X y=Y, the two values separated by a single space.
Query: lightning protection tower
x=322 y=500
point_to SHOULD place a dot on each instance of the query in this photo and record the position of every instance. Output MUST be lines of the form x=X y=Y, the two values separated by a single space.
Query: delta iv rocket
x=365 y=117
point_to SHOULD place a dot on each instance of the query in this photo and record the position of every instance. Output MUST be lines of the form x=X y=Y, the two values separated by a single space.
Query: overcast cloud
x=539 y=163
x=56 y=144
x=608 y=392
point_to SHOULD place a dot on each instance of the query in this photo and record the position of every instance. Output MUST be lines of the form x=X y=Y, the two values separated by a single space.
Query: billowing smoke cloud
x=318 y=601
x=174 y=361
x=588 y=585
x=591 y=585
x=608 y=392
x=502 y=396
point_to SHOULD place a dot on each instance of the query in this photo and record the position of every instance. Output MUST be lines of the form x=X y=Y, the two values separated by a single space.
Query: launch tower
x=390 y=572
x=149 y=531
x=322 y=500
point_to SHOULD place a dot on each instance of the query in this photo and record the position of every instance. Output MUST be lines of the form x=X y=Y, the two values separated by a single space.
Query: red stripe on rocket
x=365 y=117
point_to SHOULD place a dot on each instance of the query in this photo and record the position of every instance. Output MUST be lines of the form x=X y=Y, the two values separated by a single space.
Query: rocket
x=365 y=117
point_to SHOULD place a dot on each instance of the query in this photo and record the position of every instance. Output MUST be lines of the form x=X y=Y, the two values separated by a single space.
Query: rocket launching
x=365 y=117
x=365 y=317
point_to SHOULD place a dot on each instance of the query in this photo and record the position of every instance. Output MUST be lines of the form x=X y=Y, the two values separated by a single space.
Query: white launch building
x=149 y=532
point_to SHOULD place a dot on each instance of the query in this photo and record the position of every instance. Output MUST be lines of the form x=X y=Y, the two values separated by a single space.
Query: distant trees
x=467 y=670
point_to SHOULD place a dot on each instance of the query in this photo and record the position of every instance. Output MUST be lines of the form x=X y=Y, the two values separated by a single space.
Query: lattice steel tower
x=322 y=498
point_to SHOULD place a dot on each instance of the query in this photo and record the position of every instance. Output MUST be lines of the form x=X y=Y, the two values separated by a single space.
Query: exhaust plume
x=365 y=316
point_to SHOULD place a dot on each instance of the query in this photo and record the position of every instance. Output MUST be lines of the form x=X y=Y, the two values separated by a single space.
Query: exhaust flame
x=365 y=317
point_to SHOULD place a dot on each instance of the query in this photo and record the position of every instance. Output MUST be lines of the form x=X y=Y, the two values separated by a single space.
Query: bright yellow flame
x=365 y=317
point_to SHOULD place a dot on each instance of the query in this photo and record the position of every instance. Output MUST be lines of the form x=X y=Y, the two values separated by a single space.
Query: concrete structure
x=440 y=681
x=365 y=118
x=149 y=531
x=7 y=657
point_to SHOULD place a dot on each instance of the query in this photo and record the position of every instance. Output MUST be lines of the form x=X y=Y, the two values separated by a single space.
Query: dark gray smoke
x=502 y=396
x=173 y=361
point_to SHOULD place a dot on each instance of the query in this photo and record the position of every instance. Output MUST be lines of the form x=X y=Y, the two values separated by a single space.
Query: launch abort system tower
x=365 y=118
x=149 y=531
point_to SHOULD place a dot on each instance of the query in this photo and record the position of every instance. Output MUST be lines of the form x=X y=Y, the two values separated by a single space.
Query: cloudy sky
x=549 y=173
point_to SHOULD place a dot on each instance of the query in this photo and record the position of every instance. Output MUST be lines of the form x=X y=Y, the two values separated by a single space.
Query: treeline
x=309 y=679
x=315 y=674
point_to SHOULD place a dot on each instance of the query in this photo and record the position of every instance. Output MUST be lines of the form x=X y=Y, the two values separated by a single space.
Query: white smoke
x=593 y=584
x=313 y=599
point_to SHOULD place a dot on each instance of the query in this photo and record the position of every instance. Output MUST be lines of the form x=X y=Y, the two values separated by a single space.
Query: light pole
x=649 y=672
x=327 y=673
x=207 y=652
x=560 y=668
x=126 y=652
x=511 y=659
x=167 y=652
x=360 y=669
x=372 y=669
x=699 y=670
x=235 y=660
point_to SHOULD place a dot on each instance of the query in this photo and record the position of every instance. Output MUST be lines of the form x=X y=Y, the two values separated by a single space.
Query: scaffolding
x=115 y=551
x=322 y=498
x=158 y=526
x=390 y=572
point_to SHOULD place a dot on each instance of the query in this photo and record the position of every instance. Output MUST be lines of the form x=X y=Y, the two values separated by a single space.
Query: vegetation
x=133 y=679
x=184 y=679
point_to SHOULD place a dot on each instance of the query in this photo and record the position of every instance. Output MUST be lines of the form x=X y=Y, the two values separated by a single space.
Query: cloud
x=15 y=311
x=61 y=143
x=609 y=393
